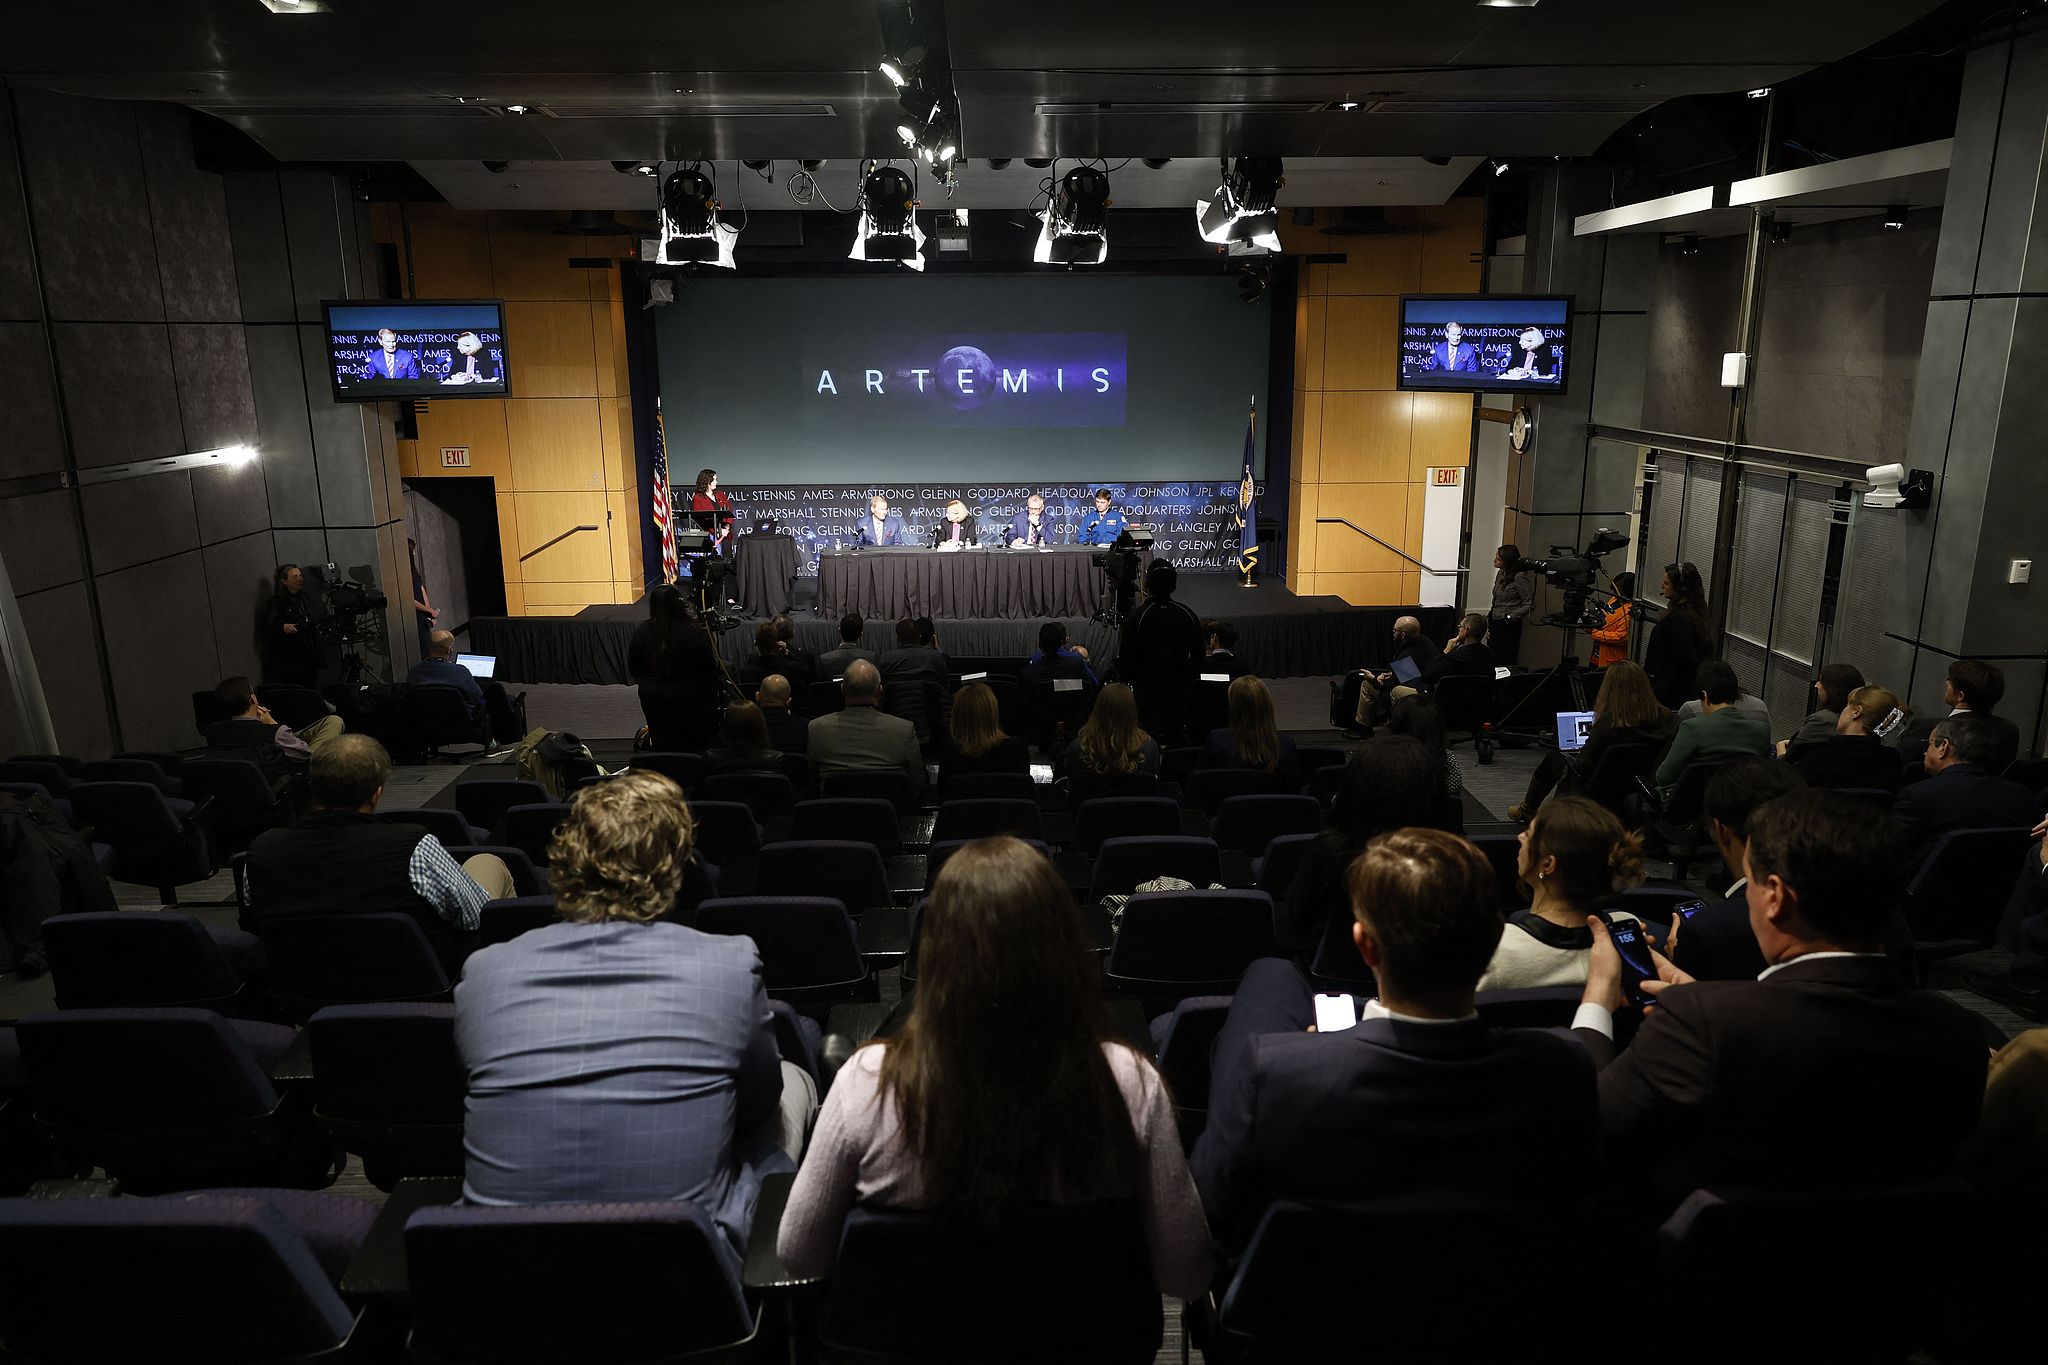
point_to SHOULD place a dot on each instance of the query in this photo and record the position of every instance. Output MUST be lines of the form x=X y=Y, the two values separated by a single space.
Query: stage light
x=1242 y=210
x=895 y=76
x=1038 y=163
x=1500 y=168
x=1155 y=162
x=997 y=163
x=1758 y=93
x=908 y=134
x=496 y=167
x=1689 y=245
x=515 y=108
x=1895 y=217
x=887 y=229
x=1347 y=105
x=636 y=167
x=691 y=231
x=1073 y=225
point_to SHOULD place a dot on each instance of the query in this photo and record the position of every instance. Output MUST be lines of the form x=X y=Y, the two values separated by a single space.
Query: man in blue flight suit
x=1103 y=525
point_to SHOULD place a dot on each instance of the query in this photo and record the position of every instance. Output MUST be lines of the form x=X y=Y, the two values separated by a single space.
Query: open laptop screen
x=1572 y=729
x=480 y=665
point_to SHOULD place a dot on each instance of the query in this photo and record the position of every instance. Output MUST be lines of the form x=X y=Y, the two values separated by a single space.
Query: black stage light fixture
x=1038 y=163
x=636 y=167
x=1242 y=210
x=997 y=163
x=1155 y=162
x=496 y=167
x=1074 y=222
x=887 y=230
x=1895 y=217
x=691 y=231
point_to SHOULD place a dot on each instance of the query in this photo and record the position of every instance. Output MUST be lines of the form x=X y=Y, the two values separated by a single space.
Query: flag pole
x=1243 y=565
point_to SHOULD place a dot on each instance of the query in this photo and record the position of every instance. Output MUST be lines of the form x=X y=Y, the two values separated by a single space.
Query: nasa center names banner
x=1192 y=522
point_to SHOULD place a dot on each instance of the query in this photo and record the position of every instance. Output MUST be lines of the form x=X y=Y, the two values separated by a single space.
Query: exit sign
x=457 y=457
x=1442 y=476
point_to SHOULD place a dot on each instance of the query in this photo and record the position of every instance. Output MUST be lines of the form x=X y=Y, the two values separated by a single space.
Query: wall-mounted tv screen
x=1473 y=343
x=416 y=348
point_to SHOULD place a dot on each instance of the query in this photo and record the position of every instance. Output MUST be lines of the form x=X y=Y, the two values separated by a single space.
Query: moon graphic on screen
x=980 y=368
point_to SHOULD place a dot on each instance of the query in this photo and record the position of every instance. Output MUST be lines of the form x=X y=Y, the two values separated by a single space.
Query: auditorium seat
x=810 y=950
x=890 y=784
x=601 y=1284
x=223 y=1276
x=156 y=843
x=446 y=825
x=1276 y=867
x=130 y=768
x=1504 y=851
x=1656 y=904
x=527 y=879
x=1179 y=943
x=866 y=820
x=134 y=959
x=730 y=838
x=1324 y=783
x=531 y=828
x=435 y=717
x=320 y=960
x=170 y=1099
x=822 y=699
x=1955 y=902
x=389 y=1086
x=51 y=777
x=483 y=802
x=1530 y=1006
x=2031 y=773
x=240 y=802
x=771 y=796
x=501 y=921
x=1179 y=764
x=982 y=818
x=1336 y=965
x=850 y=871
x=1208 y=788
x=1185 y=1039
x=988 y=787
x=685 y=770
x=1122 y=817
x=1250 y=823
x=1122 y=863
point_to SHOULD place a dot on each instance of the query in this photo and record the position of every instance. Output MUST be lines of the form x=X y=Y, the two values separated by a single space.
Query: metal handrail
x=556 y=541
x=1339 y=521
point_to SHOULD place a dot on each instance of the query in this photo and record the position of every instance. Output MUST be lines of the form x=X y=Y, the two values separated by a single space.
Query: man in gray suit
x=618 y=1056
x=832 y=663
x=861 y=736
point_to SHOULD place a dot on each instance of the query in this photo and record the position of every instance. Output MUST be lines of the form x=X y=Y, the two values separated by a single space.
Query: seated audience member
x=1854 y=755
x=1720 y=731
x=743 y=745
x=916 y=655
x=1625 y=711
x=616 y=1056
x=1827 y=1071
x=832 y=663
x=339 y=861
x=439 y=669
x=1418 y=718
x=1388 y=780
x=1419 y=1097
x=770 y=657
x=1831 y=692
x=1373 y=689
x=1716 y=943
x=1973 y=688
x=252 y=733
x=1574 y=856
x=802 y=660
x=979 y=744
x=672 y=661
x=862 y=735
x=1746 y=703
x=1222 y=654
x=1057 y=658
x=2024 y=986
x=1253 y=739
x=1962 y=790
x=1467 y=655
x=2003 y=1160
x=787 y=730
x=1110 y=750
x=1004 y=1088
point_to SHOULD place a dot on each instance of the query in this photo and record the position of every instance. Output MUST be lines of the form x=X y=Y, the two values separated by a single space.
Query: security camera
x=1895 y=486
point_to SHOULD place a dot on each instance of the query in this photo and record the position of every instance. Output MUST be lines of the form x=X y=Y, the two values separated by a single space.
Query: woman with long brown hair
x=711 y=509
x=1111 y=750
x=1574 y=855
x=1004 y=1087
x=1253 y=738
x=979 y=742
x=1682 y=641
x=1625 y=711
x=743 y=745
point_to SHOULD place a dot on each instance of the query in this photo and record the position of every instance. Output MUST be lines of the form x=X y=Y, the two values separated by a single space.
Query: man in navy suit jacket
x=1961 y=791
x=1420 y=1096
x=1452 y=353
x=388 y=362
x=881 y=526
x=1032 y=527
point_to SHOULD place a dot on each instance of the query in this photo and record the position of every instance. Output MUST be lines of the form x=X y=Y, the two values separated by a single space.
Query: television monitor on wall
x=1485 y=343
x=416 y=348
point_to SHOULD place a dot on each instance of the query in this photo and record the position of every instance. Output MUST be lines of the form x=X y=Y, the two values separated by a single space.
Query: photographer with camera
x=291 y=645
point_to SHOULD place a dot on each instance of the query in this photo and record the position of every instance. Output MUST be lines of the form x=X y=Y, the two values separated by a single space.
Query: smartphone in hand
x=1335 y=1013
x=1637 y=966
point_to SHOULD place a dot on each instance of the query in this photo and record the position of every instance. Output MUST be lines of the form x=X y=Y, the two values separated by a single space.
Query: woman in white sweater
x=1575 y=854
x=1003 y=1087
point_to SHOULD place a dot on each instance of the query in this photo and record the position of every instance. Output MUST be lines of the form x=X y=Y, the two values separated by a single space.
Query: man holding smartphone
x=1827 y=1069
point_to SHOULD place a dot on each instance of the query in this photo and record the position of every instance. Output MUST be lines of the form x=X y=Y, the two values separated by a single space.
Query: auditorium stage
x=1280 y=635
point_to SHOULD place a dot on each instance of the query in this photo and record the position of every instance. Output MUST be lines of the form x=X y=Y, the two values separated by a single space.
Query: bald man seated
x=863 y=735
x=1375 y=689
x=787 y=730
x=439 y=669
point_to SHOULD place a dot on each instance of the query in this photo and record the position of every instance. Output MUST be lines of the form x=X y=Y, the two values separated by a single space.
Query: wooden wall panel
x=1360 y=344
x=1365 y=436
x=1378 y=265
x=530 y=260
x=1442 y=431
x=1306 y=441
x=584 y=556
x=478 y=423
x=451 y=257
x=624 y=506
x=553 y=351
x=557 y=444
x=1309 y=340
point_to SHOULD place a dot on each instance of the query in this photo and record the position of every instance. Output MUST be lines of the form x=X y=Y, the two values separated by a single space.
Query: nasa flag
x=1248 y=503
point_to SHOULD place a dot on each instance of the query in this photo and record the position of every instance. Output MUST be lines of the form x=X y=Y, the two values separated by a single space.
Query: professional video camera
x=1574 y=573
x=354 y=619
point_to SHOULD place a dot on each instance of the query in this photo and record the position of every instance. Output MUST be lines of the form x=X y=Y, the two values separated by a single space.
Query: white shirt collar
x=1375 y=1010
x=1765 y=974
x=1738 y=884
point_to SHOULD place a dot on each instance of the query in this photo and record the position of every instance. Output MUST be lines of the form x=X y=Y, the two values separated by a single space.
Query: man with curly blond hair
x=618 y=1055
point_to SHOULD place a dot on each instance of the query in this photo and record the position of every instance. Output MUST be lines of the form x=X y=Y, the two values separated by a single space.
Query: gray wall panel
x=17 y=269
x=263 y=268
x=231 y=502
x=139 y=520
x=319 y=225
x=40 y=536
x=211 y=362
x=238 y=585
x=160 y=648
x=277 y=379
x=30 y=439
x=1618 y=378
x=120 y=391
x=337 y=442
x=91 y=212
x=1692 y=323
x=60 y=634
x=1969 y=171
x=299 y=546
x=2010 y=255
x=190 y=217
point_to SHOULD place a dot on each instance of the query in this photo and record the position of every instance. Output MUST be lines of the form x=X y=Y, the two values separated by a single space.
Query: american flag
x=663 y=509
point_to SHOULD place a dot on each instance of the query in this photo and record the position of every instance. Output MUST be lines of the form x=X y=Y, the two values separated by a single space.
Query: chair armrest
x=296 y=1066
x=378 y=1268
x=764 y=1272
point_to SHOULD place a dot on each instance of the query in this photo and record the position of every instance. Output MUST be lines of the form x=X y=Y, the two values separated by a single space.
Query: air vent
x=314 y=109
x=1403 y=106
x=620 y=111
x=1074 y=110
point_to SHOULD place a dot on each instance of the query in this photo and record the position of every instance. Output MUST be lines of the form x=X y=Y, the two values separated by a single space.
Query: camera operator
x=291 y=646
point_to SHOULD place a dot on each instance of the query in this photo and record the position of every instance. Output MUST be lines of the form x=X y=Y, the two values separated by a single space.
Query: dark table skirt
x=1009 y=585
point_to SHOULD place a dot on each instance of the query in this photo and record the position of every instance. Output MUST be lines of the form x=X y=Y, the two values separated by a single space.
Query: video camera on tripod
x=355 y=617
x=1574 y=573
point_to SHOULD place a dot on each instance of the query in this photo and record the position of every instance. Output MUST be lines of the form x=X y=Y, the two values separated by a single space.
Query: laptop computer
x=479 y=665
x=1405 y=670
x=1572 y=729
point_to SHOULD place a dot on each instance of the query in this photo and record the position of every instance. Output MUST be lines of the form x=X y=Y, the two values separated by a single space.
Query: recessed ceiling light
x=1509 y=4
x=515 y=108
x=1347 y=105
x=293 y=6
x=1759 y=92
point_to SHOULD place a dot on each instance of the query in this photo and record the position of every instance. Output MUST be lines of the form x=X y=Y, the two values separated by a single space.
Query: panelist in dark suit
x=1825 y=1071
x=881 y=526
x=1032 y=527
x=1420 y=1096
x=1962 y=790
x=388 y=362
x=1453 y=352
x=957 y=529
